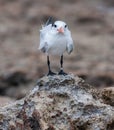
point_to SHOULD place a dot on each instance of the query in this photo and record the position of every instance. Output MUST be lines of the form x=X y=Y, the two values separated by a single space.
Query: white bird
x=55 y=39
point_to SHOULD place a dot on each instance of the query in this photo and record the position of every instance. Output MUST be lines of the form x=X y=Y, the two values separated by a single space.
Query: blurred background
x=92 y=26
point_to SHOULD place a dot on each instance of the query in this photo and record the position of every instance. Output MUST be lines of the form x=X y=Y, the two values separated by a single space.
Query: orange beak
x=60 y=30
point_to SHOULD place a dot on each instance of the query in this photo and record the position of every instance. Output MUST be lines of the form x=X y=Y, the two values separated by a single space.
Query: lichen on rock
x=59 y=103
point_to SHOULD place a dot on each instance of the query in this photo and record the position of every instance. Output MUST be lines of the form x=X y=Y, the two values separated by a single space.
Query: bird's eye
x=54 y=25
x=65 y=26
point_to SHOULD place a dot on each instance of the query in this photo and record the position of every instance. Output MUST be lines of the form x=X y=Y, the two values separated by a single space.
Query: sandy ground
x=92 y=27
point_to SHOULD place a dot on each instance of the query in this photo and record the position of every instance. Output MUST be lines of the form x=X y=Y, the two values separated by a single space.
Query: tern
x=55 y=39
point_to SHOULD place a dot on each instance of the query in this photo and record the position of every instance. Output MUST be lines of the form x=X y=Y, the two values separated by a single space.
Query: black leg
x=61 y=72
x=48 y=63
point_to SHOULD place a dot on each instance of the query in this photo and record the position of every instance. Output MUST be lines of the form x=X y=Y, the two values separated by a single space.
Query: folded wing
x=70 y=45
x=43 y=32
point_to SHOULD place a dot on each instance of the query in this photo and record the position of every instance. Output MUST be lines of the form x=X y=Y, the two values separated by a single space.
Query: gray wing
x=70 y=45
x=70 y=48
x=46 y=27
x=43 y=38
x=43 y=43
x=43 y=32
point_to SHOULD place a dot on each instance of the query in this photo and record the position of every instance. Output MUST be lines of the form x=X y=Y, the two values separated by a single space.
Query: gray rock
x=59 y=103
x=108 y=95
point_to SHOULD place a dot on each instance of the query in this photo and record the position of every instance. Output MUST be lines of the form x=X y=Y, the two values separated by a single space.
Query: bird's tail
x=49 y=21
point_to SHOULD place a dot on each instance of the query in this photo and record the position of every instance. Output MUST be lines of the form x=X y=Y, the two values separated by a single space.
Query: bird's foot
x=61 y=72
x=51 y=73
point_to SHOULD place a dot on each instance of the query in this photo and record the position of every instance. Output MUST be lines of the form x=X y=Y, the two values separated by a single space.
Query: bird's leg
x=48 y=63
x=61 y=72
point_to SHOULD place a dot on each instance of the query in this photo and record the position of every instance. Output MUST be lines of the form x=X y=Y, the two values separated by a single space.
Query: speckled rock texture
x=108 y=95
x=59 y=103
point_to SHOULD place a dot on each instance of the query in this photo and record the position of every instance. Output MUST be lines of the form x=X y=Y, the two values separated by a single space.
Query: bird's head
x=59 y=27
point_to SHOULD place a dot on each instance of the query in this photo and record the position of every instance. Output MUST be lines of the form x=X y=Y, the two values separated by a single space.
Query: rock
x=5 y=100
x=108 y=95
x=59 y=103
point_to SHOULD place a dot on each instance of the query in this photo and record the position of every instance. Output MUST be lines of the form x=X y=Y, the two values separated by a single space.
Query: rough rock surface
x=108 y=95
x=59 y=103
x=5 y=100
